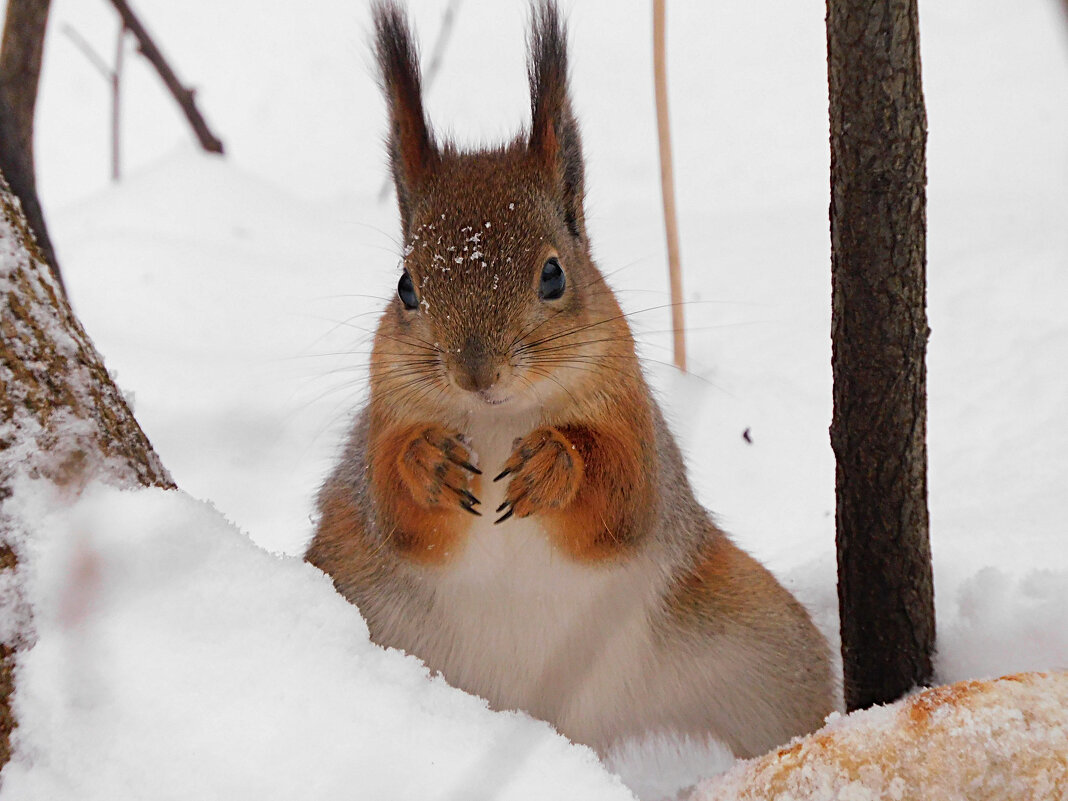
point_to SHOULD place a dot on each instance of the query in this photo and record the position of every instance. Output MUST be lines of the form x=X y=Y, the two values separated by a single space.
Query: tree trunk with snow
x=62 y=419
x=21 y=52
x=878 y=272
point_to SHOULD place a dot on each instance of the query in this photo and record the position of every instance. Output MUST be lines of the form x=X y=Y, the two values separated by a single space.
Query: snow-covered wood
x=990 y=740
x=61 y=417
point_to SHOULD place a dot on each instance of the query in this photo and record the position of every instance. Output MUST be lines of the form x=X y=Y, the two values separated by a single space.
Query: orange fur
x=610 y=510
x=546 y=472
x=724 y=579
x=418 y=483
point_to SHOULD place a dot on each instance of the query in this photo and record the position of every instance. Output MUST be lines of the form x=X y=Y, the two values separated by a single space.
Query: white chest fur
x=519 y=622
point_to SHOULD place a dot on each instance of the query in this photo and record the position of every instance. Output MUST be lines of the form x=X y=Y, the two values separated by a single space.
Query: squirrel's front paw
x=546 y=471
x=436 y=467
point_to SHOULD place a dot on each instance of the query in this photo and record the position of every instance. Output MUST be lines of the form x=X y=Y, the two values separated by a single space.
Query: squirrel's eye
x=406 y=290
x=552 y=280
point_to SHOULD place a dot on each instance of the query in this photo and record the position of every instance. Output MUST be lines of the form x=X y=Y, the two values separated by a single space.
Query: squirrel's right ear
x=412 y=152
x=554 y=142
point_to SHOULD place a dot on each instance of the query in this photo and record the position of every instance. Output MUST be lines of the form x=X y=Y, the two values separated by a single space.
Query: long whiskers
x=587 y=326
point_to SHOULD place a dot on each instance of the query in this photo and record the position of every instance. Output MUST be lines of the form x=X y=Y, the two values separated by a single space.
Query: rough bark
x=20 y=68
x=878 y=263
x=62 y=419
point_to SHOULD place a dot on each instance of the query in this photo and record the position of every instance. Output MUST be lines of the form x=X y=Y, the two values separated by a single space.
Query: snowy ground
x=233 y=300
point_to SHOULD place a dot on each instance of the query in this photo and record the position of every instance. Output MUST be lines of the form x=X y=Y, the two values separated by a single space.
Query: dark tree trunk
x=20 y=68
x=61 y=418
x=879 y=336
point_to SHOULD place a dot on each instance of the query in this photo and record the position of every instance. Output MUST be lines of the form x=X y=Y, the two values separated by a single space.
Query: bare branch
x=433 y=66
x=667 y=182
x=184 y=97
x=116 y=98
x=87 y=50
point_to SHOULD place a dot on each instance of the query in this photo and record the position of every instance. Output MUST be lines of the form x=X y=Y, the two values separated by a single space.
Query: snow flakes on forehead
x=475 y=272
x=449 y=246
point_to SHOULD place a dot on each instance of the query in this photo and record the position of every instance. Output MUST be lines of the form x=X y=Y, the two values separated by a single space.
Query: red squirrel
x=511 y=507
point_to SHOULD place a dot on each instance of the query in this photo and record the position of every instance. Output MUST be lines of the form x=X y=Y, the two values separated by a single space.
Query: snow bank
x=177 y=659
x=976 y=740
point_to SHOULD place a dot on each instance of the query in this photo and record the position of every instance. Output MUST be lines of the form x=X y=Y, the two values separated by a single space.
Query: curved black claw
x=468 y=508
x=466 y=465
x=503 y=473
x=467 y=499
x=506 y=515
x=448 y=449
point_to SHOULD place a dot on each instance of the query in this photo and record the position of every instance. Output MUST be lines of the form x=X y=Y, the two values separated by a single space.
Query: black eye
x=552 y=280
x=406 y=290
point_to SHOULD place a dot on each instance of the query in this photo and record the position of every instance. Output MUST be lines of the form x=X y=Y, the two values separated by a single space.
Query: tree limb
x=184 y=97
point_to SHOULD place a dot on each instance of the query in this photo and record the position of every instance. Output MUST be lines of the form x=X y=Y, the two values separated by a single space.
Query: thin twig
x=433 y=66
x=87 y=50
x=114 y=78
x=667 y=182
x=184 y=97
x=116 y=97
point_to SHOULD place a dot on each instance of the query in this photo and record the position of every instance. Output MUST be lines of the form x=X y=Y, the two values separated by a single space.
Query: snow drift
x=174 y=658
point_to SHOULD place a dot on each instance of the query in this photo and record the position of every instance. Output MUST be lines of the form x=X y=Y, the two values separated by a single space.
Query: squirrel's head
x=499 y=301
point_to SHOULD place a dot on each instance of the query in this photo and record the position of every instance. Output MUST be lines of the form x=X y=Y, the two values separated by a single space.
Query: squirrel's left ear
x=412 y=152
x=555 y=143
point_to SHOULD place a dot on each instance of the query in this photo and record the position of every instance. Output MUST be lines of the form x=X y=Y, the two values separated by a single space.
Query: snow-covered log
x=992 y=740
x=62 y=419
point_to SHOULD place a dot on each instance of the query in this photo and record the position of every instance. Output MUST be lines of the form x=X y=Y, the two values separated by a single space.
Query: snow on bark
x=1003 y=739
x=62 y=418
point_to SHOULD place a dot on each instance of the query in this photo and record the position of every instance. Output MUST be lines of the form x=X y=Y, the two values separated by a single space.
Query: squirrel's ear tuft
x=412 y=152
x=554 y=136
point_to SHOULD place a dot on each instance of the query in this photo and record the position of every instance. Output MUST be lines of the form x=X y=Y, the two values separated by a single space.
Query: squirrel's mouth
x=489 y=396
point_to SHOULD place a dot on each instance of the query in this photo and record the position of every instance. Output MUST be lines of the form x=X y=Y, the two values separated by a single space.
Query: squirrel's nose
x=476 y=366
